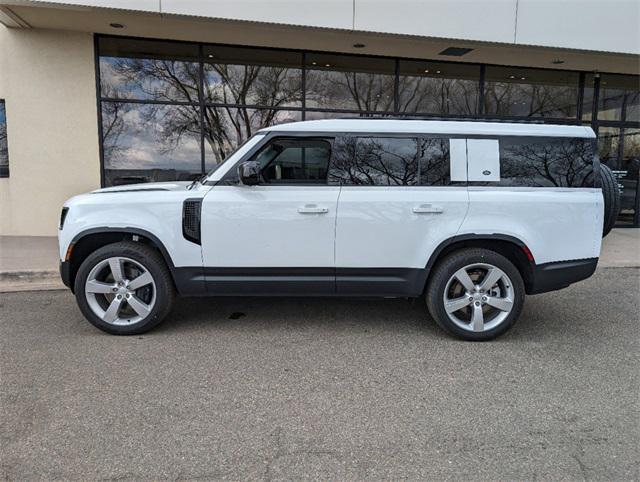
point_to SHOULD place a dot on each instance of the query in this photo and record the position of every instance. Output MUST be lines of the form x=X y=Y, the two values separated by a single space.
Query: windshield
x=234 y=156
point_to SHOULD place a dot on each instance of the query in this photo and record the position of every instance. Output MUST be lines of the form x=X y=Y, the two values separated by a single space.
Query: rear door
x=398 y=202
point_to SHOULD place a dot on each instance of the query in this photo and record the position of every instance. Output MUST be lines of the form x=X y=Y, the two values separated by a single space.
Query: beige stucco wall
x=47 y=79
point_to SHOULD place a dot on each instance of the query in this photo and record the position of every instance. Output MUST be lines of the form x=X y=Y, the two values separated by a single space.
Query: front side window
x=4 y=152
x=295 y=161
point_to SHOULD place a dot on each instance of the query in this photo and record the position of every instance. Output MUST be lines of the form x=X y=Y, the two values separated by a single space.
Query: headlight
x=63 y=216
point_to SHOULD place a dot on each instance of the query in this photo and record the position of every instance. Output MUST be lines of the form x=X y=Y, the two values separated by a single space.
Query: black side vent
x=63 y=216
x=191 y=220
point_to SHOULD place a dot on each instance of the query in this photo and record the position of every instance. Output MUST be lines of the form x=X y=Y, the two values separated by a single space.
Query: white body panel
x=144 y=207
x=262 y=226
x=395 y=227
x=556 y=224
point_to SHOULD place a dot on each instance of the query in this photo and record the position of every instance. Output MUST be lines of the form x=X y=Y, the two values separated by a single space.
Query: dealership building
x=108 y=92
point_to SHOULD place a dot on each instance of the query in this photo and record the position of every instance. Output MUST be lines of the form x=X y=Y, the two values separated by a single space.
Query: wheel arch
x=86 y=242
x=512 y=248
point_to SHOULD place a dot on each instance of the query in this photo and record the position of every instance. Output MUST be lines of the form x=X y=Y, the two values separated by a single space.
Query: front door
x=276 y=237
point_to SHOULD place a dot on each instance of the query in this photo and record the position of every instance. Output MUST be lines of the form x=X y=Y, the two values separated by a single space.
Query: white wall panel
x=317 y=13
x=490 y=20
x=611 y=25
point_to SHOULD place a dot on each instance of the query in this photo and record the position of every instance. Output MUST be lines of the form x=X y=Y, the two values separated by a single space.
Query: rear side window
x=390 y=161
x=546 y=162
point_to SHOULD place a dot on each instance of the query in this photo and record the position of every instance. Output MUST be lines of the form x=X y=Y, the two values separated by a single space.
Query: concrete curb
x=14 y=281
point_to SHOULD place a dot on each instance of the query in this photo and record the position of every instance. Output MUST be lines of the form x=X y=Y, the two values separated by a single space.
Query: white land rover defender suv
x=470 y=215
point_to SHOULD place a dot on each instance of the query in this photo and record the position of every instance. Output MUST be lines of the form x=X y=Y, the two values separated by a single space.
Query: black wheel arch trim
x=135 y=231
x=470 y=237
x=67 y=273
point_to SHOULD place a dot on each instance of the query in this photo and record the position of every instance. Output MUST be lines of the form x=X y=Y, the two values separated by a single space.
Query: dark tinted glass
x=375 y=161
x=4 y=151
x=619 y=97
x=546 y=162
x=619 y=149
x=148 y=70
x=253 y=77
x=150 y=142
x=434 y=162
x=295 y=160
x=511 y=91
x=438 y=88
x=225 y=128
x=349 y=83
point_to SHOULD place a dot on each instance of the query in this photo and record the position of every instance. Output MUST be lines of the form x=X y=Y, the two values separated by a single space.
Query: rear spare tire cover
x=611 y=194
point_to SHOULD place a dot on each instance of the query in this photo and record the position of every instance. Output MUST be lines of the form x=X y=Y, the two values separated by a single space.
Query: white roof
x=400 y=126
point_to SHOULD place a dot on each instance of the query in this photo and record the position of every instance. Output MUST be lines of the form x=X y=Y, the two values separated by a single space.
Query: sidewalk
x=31 y=263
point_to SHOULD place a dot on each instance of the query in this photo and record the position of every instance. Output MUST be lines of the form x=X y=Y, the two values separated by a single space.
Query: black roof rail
x=464 y=119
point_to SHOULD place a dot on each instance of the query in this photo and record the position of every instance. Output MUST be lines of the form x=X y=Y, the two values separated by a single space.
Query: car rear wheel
x=124 y=288
x=475 y=294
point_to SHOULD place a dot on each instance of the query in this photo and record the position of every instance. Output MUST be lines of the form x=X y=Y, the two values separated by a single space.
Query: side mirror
x=249 y=173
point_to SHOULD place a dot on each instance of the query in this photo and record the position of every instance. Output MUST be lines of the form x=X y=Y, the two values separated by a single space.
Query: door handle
x=312 y=209
x=427 y=209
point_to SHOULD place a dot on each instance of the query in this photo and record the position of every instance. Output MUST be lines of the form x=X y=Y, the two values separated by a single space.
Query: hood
x=150 y=186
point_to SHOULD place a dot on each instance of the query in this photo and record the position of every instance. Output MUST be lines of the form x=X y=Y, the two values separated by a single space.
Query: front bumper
x=557 y=275
x=65 y=273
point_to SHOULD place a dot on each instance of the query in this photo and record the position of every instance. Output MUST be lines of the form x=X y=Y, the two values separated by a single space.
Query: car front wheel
x=475 y=294
x=124 y=288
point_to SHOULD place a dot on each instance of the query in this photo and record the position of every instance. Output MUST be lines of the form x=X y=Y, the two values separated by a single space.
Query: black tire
x=611 y=195
x=443 y=272
x=154 y=264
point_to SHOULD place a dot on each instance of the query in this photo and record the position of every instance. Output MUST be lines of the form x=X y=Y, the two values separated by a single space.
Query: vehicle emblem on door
x=486 y=173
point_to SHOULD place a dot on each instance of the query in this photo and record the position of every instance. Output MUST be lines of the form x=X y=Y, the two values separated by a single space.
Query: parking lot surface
x=324 y=389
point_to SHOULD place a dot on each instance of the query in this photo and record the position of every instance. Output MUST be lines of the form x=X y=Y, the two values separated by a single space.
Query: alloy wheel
x=120 y=291
x=478 y=297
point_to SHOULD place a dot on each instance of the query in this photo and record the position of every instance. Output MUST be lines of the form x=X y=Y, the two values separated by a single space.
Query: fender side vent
x=191 y=220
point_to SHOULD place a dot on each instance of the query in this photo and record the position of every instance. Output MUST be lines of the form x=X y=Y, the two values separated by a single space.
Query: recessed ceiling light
x=512 y=76
x=523 y=78
x=116 y=25
x=327 y=65
x=437 y=71
x=359 y=46
x=426 y=71
x=557 y=61
x=210 y=56
x=455 y=51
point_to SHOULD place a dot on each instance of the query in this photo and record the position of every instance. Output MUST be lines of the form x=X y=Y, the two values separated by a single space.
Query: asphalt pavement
x=324 y=389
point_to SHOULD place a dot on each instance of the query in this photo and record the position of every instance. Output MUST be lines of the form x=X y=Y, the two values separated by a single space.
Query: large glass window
x=150 y=142
x=349 y=83
x=265 y=78
x=619 y=98
x=149 y=70
x=511 y=91
x=438 y=88
x=619 y=148
x=173 y=110
x=4 y=151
